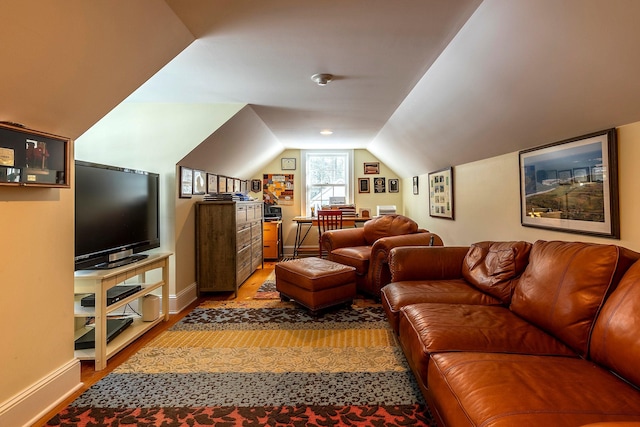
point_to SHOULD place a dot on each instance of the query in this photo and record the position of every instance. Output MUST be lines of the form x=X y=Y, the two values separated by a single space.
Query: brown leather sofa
x=367 y=248
x=560 y=348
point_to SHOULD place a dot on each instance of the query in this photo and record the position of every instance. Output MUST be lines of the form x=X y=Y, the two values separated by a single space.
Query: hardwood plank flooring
x=90 y=376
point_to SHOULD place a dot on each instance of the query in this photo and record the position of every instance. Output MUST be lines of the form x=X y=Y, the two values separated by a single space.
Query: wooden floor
x=89 y=376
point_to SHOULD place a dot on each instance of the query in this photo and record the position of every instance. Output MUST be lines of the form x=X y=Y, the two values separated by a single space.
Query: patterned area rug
x=268 y=289
x=260 y=363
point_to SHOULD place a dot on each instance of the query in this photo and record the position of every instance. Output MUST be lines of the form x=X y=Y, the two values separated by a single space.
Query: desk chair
x=327 y=220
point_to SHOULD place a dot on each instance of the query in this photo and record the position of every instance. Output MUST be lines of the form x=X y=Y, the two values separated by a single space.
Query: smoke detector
x=322 y=79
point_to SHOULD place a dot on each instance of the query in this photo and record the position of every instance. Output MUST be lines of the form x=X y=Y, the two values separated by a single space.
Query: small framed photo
x=199 y=182
x=363 y=185
x=288 y=164
x=186 y=182
x=394 y=185
x=415 y=185
x=379 y=185
x=222 y=184
x=212 y=183
x=441 y=193
x=256 y=185
x=371 y=168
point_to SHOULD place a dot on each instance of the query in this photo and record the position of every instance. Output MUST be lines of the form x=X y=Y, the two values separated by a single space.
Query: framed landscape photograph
x=572 y=185
x=363 y=185
x=186 y=182
x=441 y=193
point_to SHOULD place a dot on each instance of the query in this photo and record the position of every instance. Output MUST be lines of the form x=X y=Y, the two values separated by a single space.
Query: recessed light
x=326 y=132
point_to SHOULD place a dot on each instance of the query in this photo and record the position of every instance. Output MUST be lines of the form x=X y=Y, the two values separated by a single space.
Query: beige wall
x=36 y=278
x=487 y=201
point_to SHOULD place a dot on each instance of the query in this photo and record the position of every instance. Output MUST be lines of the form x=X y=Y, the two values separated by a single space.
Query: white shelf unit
x=98 y=282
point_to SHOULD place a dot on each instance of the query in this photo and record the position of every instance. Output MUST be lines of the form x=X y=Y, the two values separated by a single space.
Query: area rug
x=268 y=288
x=260 y=363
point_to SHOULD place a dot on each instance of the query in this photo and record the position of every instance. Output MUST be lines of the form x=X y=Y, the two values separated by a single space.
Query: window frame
x=305 y=206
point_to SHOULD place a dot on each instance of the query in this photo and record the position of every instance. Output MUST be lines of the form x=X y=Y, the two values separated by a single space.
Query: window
x=328 y=174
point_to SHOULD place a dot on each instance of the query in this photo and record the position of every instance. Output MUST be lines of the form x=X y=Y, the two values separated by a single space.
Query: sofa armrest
x=345 y=237
x=379 y=274
x=426 y=262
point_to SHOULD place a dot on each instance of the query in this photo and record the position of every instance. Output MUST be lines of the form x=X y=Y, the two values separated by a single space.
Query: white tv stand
x=97 y=282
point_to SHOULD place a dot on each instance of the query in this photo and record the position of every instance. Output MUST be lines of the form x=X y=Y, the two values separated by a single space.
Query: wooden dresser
x=228 y=244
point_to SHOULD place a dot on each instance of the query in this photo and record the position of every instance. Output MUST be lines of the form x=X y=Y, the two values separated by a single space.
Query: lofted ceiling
x=421 y=84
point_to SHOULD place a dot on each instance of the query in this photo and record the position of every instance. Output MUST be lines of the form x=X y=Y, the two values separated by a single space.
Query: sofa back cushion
x=493 y=267
x=388 y=225
x=563 y=288
x=615 y=342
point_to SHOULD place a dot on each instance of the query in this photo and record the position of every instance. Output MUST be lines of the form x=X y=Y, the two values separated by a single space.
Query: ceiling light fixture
x=322 y=79
x=326 y=132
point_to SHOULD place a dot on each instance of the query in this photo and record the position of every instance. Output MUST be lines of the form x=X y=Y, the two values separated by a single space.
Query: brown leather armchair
x=367 y=248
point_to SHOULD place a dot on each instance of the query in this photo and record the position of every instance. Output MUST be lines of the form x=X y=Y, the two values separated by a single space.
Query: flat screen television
x=117 y=215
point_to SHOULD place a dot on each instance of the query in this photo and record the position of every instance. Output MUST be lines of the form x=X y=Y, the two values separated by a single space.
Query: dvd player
x=114 y=294
x=114 y=327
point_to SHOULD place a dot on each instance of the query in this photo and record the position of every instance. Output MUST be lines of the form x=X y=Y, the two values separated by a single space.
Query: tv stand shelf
x=98 y=282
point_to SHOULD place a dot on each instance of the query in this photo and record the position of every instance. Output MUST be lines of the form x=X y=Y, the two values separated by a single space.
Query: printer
x=272 y=213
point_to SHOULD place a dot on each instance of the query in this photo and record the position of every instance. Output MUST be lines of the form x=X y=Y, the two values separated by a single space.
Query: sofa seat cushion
x=427 y=328
x=355 y=256
x=493 y=267
x=500 y=390
x=454 y=291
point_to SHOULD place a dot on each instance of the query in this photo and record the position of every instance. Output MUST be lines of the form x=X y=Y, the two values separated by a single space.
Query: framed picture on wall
x=199 y=182
x=441 y=193
x=371 y=168
x=222 y=184
x=212 y=183
x=379 y=185
x=186 y=182
x=394 y=185
x=572 y=185
x=415 y=185
x=363 y=185
x=256 y=185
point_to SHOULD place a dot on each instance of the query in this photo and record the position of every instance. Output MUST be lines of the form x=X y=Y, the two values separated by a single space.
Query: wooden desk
x=304 y=224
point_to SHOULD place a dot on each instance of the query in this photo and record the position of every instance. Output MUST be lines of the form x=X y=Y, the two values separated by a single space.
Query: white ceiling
x=421 y=84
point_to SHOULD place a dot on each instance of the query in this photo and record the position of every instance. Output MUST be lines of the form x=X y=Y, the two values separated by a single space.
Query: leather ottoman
x=315 y=283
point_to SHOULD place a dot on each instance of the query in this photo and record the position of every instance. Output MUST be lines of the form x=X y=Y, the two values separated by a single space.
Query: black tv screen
x=116 y=214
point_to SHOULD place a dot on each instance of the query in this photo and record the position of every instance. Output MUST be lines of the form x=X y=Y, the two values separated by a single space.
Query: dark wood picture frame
x=441 y=193
x=371 y=168
x=415 y=185
x=394 y=185
x=363 y=185
x=572 y=185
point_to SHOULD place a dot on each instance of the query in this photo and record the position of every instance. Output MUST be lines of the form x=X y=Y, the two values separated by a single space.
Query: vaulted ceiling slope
x=519 y=74
x=422 y=84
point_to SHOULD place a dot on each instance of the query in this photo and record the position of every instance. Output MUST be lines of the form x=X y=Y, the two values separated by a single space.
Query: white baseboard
x=185 y=297
x=35 y=402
